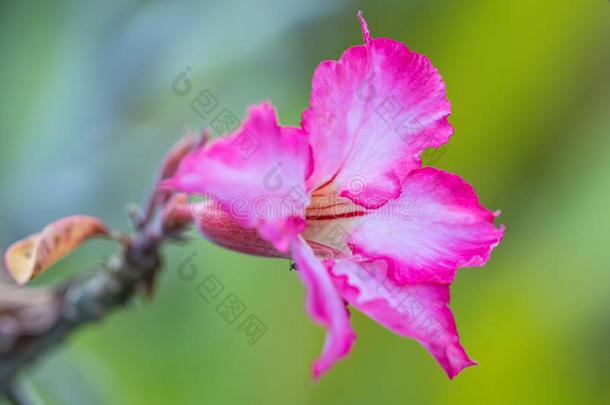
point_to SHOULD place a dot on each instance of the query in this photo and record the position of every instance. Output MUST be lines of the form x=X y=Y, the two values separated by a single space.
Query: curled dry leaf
x=30 y=257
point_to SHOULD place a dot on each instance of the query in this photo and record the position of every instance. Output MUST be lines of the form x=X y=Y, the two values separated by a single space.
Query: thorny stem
x=83 y=301
x=51 y=315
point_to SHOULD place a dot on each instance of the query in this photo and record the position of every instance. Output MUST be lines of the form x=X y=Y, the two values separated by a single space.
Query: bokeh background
x=87 y=111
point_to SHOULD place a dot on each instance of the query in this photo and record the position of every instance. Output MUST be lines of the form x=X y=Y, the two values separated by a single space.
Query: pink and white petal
x=420 y=312
x=371 y=115
x=257 y=175
x=325 y=306
x=436 y=226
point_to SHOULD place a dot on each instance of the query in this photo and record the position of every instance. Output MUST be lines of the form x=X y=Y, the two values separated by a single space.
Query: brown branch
x=33 y=321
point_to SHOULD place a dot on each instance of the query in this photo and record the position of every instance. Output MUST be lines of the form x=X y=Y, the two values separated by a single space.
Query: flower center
x=329 y=220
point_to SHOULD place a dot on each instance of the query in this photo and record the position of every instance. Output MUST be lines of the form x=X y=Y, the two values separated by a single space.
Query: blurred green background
x=87 y=111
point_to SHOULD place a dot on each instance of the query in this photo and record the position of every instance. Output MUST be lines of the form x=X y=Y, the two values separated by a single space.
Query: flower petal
x=371 y=115
x=325 y=306
x=436 y=226
x=420 y=311
x=257 y=175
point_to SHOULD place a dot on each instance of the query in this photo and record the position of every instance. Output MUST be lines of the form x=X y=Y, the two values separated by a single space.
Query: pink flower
x=347 y=198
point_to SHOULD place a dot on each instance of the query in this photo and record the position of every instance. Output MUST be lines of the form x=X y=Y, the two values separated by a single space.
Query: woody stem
x=78 y=302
